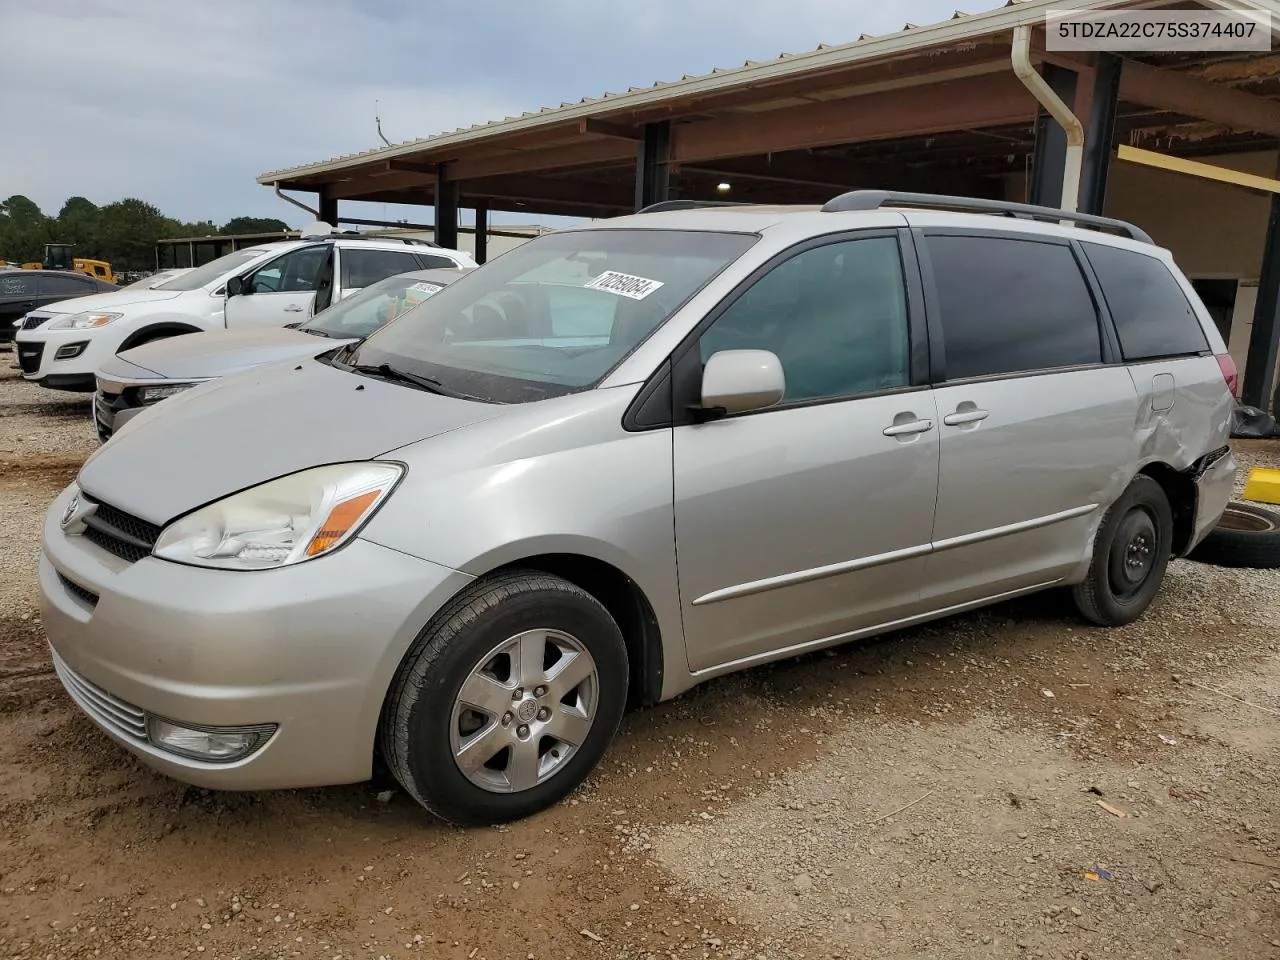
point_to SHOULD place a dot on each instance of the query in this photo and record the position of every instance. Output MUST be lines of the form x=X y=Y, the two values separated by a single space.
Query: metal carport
x=933 y=108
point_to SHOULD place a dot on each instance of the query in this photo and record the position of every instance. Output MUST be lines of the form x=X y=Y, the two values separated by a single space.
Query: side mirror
x=236 y=286
x=736 y=381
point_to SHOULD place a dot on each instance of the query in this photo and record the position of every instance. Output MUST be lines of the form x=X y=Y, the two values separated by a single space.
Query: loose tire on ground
x=1130 y=554
x=475 y=682
x=1246 y=536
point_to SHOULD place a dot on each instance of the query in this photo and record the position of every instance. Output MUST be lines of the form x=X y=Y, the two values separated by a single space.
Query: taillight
x=1228 y=368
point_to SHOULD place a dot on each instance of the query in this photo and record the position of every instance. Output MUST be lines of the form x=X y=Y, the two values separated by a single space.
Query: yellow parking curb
x=1263 y=485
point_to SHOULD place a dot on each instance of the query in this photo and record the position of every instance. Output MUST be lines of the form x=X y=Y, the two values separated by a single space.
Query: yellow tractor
x=57 y=256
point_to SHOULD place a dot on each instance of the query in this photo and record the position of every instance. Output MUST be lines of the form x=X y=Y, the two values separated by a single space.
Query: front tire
x=1130 y=554
x=507 y=700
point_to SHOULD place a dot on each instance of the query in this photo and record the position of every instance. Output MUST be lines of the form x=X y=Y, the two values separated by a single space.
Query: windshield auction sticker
x=624 y=285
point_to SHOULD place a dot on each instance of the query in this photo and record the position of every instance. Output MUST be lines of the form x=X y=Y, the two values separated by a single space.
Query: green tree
x=127 y=233
x=24 y=230
x=254 y=225
x=77 y=224
x=201 y=228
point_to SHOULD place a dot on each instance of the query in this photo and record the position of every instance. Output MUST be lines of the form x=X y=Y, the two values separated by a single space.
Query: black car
x=22 y=291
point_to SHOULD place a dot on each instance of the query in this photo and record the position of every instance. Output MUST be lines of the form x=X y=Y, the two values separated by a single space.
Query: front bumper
x=38 y=355
x=310 y=648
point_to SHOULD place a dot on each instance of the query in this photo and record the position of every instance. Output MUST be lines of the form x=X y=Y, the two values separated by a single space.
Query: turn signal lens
x=341 y=519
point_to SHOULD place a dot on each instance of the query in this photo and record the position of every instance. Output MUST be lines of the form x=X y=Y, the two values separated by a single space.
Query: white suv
x=61 y=345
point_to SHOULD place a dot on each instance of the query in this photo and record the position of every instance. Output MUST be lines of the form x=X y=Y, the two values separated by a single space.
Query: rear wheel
x=1130 y=554
x=507 y=701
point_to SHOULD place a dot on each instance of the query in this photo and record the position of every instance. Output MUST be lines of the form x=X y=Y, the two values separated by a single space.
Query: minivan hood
x=219 y=353
x=110 y=301
x=224 y=436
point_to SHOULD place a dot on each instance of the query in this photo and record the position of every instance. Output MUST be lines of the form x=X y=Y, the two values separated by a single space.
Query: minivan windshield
x=377 y=304
x=552 y=316
x=211 y=271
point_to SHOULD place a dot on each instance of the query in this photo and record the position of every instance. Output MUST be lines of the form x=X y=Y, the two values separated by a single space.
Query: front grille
x=29 y=355
x=30 y=323
x=103 y=426
x=108 y=711
x=79 y=592
x=128 y=537
x=107 y=404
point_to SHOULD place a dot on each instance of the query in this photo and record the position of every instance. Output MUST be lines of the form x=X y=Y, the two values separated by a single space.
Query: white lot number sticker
x=624 y=285
x=426 y=289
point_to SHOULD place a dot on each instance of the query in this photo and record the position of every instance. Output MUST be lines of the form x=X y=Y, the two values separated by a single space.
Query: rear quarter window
x=1153 y=317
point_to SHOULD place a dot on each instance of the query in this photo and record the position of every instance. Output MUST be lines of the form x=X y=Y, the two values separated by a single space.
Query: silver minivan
x=625 y=458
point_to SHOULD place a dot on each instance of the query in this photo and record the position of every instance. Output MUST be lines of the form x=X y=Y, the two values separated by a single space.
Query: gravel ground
x=933 y=794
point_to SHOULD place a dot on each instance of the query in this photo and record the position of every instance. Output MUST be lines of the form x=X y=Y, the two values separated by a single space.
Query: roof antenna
x=378 y=120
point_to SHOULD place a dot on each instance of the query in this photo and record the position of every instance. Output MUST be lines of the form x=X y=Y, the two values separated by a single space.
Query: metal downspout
x=296 y=203
x=1031 y=79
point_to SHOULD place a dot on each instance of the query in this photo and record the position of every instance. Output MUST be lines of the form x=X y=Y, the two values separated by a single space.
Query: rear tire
x=1130 y=554
x=1245 y=536
x=507 y=700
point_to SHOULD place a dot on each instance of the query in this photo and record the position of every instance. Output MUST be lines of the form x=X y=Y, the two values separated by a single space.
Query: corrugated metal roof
x=958 y=28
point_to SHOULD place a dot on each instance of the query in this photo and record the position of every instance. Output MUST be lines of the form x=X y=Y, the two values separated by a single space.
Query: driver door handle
x=293 y=308
x=968 y=416
x=903 y=429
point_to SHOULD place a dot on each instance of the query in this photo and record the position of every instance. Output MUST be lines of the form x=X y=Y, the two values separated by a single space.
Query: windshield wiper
x=387 y=372
x=315 y=332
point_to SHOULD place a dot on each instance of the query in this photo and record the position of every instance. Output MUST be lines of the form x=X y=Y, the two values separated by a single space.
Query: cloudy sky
x=183 y=102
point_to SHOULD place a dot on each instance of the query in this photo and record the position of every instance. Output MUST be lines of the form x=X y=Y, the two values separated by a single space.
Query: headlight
x=83 y=321
x=152 y=394
x=289 y=520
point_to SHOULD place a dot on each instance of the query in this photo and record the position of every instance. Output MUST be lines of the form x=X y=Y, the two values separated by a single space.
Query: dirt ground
x=938 y=793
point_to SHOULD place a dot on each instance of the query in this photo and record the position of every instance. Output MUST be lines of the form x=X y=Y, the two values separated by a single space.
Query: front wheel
x=1130 y=554
x=507 y=701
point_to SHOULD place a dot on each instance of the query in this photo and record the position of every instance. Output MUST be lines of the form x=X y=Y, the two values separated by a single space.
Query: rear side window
x=365 y=267
x=19 y=286
x=1011 y=305
x=431 y=262
x=1152 y=315
x=65 y=286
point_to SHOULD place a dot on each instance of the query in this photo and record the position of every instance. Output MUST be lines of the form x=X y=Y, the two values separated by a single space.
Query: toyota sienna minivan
x=620 y=460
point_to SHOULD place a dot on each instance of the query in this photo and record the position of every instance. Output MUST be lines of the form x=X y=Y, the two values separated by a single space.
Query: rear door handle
x=903 y=429
x=967 y=416
x=293 y=308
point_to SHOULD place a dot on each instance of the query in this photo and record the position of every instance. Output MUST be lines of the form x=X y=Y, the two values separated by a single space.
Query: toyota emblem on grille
x=74 y=516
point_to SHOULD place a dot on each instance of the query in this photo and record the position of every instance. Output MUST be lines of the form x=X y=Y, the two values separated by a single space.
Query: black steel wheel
x=1130 y=554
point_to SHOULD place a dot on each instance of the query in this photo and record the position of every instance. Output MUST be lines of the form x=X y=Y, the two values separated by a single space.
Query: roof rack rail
x=875 y=199
x=664 y=205
x=357 y=235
